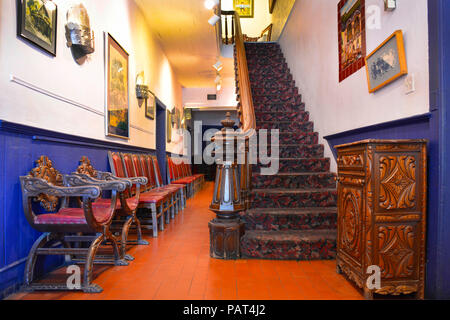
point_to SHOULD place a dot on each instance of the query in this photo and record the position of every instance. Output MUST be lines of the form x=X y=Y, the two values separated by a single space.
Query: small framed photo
x=117 y=89
x=37 y=23
x=150 y=106
x=169 y=126
x=245 y=8
x=387 y=62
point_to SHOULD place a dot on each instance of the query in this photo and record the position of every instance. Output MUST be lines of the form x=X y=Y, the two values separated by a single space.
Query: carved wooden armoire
x=382 y=214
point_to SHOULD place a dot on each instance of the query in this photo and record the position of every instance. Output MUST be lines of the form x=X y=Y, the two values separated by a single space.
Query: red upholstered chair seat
x=184 y=180
x=73 y=216
x=151 y=198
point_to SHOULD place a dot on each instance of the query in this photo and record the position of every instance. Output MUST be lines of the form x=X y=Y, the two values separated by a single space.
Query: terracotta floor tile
x=177 y=265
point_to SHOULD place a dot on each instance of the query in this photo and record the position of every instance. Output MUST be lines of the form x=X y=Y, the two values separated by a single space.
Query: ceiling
x=188 y=40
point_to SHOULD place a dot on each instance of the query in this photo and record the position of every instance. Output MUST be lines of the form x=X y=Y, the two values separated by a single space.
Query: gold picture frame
x=387 y=62
x=117 y=116
x=245 y=8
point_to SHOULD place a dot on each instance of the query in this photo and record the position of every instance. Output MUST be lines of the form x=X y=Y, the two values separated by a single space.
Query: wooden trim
x=401 y=57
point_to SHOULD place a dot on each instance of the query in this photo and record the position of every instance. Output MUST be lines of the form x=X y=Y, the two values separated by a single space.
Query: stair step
x=255 y=63
x=301 y=116
x=256 y=78
x=286 y=126
x=275 y=91
x=279 y=107
x=293 y=99
x=290 y=219
x=293 y=198
x=287 y=165
x=289 y=245
x=273 y=84
x=295 y=180
x=301 y=151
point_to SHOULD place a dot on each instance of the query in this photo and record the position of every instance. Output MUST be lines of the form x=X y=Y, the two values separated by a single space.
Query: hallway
x=177 y=266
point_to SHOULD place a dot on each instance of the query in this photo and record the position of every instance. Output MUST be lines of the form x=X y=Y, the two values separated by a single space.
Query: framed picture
x=169 y=126
x=245 y=8
x=387 y=62
x=37 y=23
x=117 y=89
x=352 y=37
x=150 y=106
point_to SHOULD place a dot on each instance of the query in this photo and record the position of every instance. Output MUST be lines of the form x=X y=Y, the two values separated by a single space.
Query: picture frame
x=169 y=126
x=387 y=62
x=245 y=8
x=37 y=23
x=351 y=37
x=150 y=107
x=117 y=89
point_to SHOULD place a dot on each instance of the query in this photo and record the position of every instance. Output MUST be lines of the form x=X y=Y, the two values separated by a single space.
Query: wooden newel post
x=226 y=229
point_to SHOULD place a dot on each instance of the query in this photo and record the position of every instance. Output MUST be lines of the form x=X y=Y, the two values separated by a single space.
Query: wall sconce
x=80 y=38
x=209 y=4
x=390 y=5
x=218 y=66
x=142 y=91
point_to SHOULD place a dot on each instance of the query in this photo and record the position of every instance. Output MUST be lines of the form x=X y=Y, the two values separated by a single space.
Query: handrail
x=246 y=99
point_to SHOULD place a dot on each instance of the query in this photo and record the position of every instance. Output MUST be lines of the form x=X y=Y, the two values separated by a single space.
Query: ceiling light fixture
x=209 y=4
x=218 y=66
x=213 y=20
x=219 y=86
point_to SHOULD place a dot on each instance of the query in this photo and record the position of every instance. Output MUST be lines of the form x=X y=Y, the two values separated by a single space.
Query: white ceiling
x=187 y=39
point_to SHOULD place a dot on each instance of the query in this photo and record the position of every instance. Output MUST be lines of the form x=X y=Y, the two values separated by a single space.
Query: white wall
x=310 y=44
x=197 y=97
x=84 y=85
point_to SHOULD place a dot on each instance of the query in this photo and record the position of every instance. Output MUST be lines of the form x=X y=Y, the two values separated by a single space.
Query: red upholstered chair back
x=170 y=165
x=159 y=180
x=139 y=170
x=150 y=170
x=185 y=169
x=117 y=167
x=129 y=168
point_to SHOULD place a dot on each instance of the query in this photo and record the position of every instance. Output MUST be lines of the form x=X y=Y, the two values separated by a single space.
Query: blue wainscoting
x=417 y=127
x=20 y=146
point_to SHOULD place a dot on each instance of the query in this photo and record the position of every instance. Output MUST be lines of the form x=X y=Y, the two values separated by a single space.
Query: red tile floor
x=177 y=266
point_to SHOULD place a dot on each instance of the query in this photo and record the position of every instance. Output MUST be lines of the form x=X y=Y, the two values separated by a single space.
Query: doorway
x=161 y=138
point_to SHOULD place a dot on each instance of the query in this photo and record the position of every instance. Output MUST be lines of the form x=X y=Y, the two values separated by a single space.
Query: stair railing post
x=226 y=229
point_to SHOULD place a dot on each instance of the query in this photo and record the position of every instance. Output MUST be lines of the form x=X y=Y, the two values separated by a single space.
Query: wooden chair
x=153 y=202
x=126 y=207
x=60 y=224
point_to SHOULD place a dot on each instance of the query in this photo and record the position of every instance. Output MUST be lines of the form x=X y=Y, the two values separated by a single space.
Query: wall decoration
x=150 y=107
x=37 y=23
x=178 y=117
x=245 y=8
x=117 y=101
x=387 y=62
x=352 y=37
x=80 y=38
x=169 y=126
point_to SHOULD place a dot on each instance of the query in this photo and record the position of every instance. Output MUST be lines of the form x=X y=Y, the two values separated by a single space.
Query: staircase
x=293 y=214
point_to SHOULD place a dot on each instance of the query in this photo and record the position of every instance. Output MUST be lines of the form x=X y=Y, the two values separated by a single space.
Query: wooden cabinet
x=382 y=214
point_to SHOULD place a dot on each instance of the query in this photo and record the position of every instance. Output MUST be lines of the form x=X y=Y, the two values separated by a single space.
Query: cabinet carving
x=382 y=214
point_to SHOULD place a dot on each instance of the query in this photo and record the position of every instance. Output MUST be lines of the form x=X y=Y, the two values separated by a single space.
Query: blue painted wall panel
x=20 y=147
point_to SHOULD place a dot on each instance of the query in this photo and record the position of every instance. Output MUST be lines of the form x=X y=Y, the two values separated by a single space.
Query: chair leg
x=172 y=207
x=167 y=211
x=140 y=240
x=154 y=220
x=123 y=242
x=161 y=218
x=32 y=256
x=88 y=287
x=118 y=260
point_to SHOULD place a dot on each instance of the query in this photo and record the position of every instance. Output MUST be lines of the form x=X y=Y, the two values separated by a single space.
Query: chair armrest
x=77 y=180
x=108 y=176
x=33 y=187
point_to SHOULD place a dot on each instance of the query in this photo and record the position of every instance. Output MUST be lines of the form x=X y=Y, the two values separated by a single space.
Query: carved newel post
x=227 y=229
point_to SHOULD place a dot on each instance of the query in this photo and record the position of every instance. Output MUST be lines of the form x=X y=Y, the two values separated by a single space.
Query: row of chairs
x=80 y=216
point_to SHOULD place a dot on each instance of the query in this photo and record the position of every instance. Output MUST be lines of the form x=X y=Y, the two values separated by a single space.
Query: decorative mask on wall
x=80 y=38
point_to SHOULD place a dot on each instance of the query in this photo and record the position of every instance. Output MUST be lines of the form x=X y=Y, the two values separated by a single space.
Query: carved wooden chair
x=155 y=203
x=126 y=207
x=60 y=224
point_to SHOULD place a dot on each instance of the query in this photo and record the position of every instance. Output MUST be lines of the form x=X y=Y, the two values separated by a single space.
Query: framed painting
x=37 y=23
x=387 y=62
x=169 y=126
x=117 y=89
x=245 y=8
x=352 y=37
x=150 y=106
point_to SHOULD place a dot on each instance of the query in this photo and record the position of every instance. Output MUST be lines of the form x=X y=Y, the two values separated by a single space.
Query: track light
x=209 y=4
x=218 y=79
x=219 y=86
x=214 y=19
x=218 y=66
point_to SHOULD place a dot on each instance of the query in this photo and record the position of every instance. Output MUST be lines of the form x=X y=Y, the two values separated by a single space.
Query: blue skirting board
x=20 y=147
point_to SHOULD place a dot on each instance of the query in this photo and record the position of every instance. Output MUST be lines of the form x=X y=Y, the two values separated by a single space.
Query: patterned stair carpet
x=293 y=214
